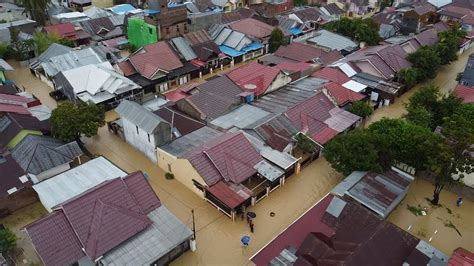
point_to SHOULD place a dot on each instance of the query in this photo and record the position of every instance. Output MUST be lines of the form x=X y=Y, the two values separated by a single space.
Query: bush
x=169 y=176
x=7 y=240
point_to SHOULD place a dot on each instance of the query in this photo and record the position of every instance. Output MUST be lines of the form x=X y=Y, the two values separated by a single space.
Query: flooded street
x=218 y=238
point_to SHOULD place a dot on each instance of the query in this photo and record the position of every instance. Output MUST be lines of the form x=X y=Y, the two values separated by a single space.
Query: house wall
x=53 y=171
x=61 y=83
x=17 y=200
x=140 y=140
x=182 y=169
x=187 y=108
x=280 y=81
x=20 y=136
x=141 y=33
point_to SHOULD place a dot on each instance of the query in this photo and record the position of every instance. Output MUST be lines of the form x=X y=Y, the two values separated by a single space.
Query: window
x=148 y=137
x=150 y=30
x=198 y=185
x=167 y=31
x=169 y=168
x=137 y=129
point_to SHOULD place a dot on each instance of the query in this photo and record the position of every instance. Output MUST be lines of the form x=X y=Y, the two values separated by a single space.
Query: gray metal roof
x=139 y=116
x=190 y=141
x=75 y=181
x=184 y=48
x=240 y=118
x=333 y=40
x=71 y=60
x=37 y=154
x=348 y=182
x=270 y=172
x=53 y=50
x=336 y=206
x=166 y=233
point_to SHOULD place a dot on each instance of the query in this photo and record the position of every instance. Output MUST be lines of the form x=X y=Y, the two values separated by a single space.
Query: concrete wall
x=182 y=169
x=17 y=200
x=140 y=141
x=280 y=81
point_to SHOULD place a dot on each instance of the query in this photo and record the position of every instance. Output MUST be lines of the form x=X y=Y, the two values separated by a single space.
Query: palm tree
x=36 y=9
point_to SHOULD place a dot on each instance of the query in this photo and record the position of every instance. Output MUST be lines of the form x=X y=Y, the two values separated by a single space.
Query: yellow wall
x=182 y=169
x=21 y=135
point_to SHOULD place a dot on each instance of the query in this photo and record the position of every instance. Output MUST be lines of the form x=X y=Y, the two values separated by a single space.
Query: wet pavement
x=218 y=238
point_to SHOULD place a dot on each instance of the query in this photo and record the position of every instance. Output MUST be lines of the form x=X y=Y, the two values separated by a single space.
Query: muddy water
x=437 y=219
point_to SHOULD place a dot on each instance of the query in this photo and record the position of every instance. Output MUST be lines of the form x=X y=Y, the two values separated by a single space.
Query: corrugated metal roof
x=268 y=171
x=53 y=50
x=184 y=48
x=154 y=242
x=336 y=206
x=332 y=40
x=241 y=117
x=182 y=145
x=37 y=154
x=70 y=60
x=71 y=183
x=139 y=115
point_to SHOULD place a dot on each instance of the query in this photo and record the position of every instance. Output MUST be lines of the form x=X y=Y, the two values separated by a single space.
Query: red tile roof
x=230 y=157
x=300 y=52
x=127 y=68
x=331 y=74
x=224 y=193
x=256 y=74
x=66 y=30
x=465 y=93
x=293 y=67
x=18 y=109
x=155 y=57
x=55 y=241
x=253 y=28
x=100 y=219
x=311 y=221
x=461 y=257
x=342 y=95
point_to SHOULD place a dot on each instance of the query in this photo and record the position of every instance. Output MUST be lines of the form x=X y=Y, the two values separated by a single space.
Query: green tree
x=70 y=120
x=362 y=30
x=420 y=116
x=409 y=76
x=42 y=41
x=36 y=8
x=7 y=241
x=358 y=150
x=362 y=109
x=277 y=38
x=306 y=143
x=452 y=159
x=427 y=62
x=366 y=33
x=3 y=49
x=299 y=2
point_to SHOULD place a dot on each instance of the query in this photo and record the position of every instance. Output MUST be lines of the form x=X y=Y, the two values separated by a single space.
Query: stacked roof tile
x=153 y=58
x=254 y=77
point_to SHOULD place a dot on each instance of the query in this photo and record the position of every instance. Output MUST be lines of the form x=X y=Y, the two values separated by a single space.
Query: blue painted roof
x=252 y=47
x=122 y=9
x=295 y=31
x=151 y=11
x=230 y=51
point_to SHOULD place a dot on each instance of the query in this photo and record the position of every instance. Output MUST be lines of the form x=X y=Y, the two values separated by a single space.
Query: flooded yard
x=446 y=226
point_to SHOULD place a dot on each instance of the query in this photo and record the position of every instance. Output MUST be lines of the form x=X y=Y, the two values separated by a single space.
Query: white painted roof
x=71 y=183
x=354 y=86
x=347 y=69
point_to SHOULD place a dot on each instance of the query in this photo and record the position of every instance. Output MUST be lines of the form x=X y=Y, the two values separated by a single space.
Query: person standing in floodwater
x=459 y=202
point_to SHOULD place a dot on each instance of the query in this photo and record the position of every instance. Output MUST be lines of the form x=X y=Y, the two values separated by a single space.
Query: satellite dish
x=250 y=87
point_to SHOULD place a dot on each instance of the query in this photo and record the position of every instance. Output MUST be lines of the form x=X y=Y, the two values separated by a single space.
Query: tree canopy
x=7 y=240
x=36 y=8
x=277 y=38
x=70 y=121
x=42 y=41
x=362 y=30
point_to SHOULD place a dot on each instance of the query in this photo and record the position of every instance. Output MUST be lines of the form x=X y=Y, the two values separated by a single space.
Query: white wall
x=53 y=171
x=140 y=140
x=280 y=81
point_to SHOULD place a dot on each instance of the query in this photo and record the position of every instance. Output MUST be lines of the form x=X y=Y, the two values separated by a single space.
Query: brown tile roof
x=202 y=45
x=342 y=95
x=11 y=171
x=127 y=68
x=305 y=53
x=67 y=30
x=424 y=9
x=181 y=122
x=253 y=27
x=308 y=14
x=331 y=74
x=155 y=57
x=96 y=221
x=224 y=193
x=229 y=157
x=255 y=74
x=427 y=37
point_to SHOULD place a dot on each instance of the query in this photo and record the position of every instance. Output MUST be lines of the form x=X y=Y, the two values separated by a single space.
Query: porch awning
x=268 y=171
x=223 y=192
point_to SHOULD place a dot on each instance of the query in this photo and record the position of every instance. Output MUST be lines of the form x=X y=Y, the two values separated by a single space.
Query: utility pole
x=193 y=239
